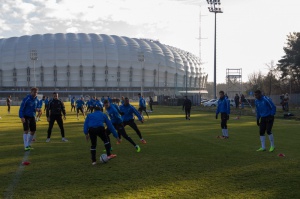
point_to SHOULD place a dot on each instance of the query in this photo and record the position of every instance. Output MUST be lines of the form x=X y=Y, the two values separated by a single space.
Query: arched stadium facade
x=97 y=63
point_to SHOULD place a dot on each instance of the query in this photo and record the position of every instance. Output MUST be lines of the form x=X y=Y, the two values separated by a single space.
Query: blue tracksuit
x=109 y=100
x=28 y=106
x=46 y=102
x=223 y=106
x=79 y=103
x=72 y=101
x=40 y=105
x=264 y=107
x=142 y=102
x=128 y=111
x=98 y=119
x=114 y=114
x=99 y=103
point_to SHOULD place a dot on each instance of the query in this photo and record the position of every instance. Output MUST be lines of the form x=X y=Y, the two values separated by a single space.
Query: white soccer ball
x=103 y=158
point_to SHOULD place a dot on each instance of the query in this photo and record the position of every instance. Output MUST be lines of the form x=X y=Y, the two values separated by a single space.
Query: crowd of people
x=118 y=117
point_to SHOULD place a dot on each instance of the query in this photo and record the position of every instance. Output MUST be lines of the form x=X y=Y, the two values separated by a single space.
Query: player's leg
x=224 y=124
x=269 y=125
x=133 y=125
x=262 y=130
x=61 y=126
x=120 y=128
x=105 y=138
x=32 y=128
x=93 y=138
x=51 y=123
x=25 y=133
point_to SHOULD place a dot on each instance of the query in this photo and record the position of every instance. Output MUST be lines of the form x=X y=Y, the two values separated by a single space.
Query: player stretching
x=265 y=111
x=224 y=109
x=127 y=115
x=118 y=123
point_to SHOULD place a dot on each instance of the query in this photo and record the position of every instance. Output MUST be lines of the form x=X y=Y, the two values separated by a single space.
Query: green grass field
x=182 y=159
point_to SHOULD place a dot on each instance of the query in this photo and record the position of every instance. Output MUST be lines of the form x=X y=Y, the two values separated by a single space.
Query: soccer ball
x=103 y=158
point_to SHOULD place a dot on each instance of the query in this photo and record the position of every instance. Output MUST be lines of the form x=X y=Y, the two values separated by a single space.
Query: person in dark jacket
x=187 y=105
x=8 y=101
x=237 y=100
x=150 y=103
x=94 y=127
x=265 y=111
x=54 y=113
x=224 y=109
x=27 y=111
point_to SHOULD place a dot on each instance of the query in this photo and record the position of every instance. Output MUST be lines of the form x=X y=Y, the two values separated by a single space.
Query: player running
x=127 y=115
x=117 y=122
x=142 y=105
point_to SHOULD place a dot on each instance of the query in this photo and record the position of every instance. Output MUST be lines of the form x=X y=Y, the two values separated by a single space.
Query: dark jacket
x=187 y=104
x=55 y=107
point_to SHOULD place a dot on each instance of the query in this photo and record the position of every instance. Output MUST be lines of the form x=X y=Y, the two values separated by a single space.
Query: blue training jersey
x=28 y=106
x=223 y=106
x=129 y=112
x=264 y=107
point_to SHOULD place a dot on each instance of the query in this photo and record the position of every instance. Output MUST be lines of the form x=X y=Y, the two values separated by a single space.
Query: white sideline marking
x=10 y=189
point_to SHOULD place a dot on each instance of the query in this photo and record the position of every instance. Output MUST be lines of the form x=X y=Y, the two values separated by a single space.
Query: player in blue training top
x=265 y=111
x=39 y=111
x=116 y=119
x=142 y=105
x=27 y=112
x=46 y=104
x=224 y=109
x=128 y=112
x=73 y=104
x=94 y=127
x=79 y=106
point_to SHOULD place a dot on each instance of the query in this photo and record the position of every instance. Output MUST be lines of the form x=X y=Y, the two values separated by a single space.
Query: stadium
x=97 y=64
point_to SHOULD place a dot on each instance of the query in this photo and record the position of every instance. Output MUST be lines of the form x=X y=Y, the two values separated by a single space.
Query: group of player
x=94 y=124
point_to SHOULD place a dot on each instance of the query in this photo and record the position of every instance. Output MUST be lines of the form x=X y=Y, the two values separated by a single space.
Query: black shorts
x=80 y=109
x=266 y=124
x=142 y=109
x=29 y=124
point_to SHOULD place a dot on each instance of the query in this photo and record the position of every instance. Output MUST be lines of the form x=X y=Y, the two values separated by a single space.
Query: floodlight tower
x=34 y=57
x=215 y=8
x=141 y=58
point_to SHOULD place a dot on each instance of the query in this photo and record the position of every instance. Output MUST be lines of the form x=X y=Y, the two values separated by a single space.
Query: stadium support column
x=34 y=57
x=215 y=8
x=141 y=59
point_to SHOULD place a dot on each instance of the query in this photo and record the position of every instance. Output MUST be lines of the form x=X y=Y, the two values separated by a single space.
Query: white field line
x=10 y=189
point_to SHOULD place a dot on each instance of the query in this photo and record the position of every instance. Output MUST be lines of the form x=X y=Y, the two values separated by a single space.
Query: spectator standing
x=150 y=103
x=237 y=100
x=8 y=102
x=187 y=105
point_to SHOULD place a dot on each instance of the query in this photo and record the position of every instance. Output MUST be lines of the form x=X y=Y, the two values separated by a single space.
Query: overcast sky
x=250 y=33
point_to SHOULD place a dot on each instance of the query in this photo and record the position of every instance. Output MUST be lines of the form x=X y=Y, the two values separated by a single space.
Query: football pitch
x=182 y=159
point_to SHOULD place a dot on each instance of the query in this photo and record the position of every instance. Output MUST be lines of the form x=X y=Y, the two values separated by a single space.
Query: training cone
x=281 y=155
x=26 y=163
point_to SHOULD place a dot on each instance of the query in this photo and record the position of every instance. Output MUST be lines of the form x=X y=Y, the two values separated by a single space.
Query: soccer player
x=109 y=100
x=46 y=104
x=73 y=103
x=122 y=100
x=54 y=113
x=93 y=127
x=187 y=105
x=224 y=109
x=27 y=112
x=8 y=102
x=127 y=115
x=38 y=117
x=142 y=105
x=265 y=111
x=117 y=121
x=79 y=107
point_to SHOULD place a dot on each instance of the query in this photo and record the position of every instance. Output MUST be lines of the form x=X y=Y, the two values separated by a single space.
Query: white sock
x=29 y=139
x=271 y=138
x=25 y=139
x=263 y=140
x=226 y=133
x=223 y=132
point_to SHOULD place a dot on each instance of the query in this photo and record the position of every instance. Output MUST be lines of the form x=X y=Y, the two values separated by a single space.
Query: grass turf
x=182 y=159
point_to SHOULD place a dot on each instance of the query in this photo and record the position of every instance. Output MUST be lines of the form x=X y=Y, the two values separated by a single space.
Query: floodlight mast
x=215 y=8
x=34 y=57
x=141 y=58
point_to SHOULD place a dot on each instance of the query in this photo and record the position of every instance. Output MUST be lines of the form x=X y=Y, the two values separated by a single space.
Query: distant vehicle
x=214 y=102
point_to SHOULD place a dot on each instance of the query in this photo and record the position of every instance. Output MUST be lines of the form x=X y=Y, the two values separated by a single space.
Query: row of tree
x=284 y=77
